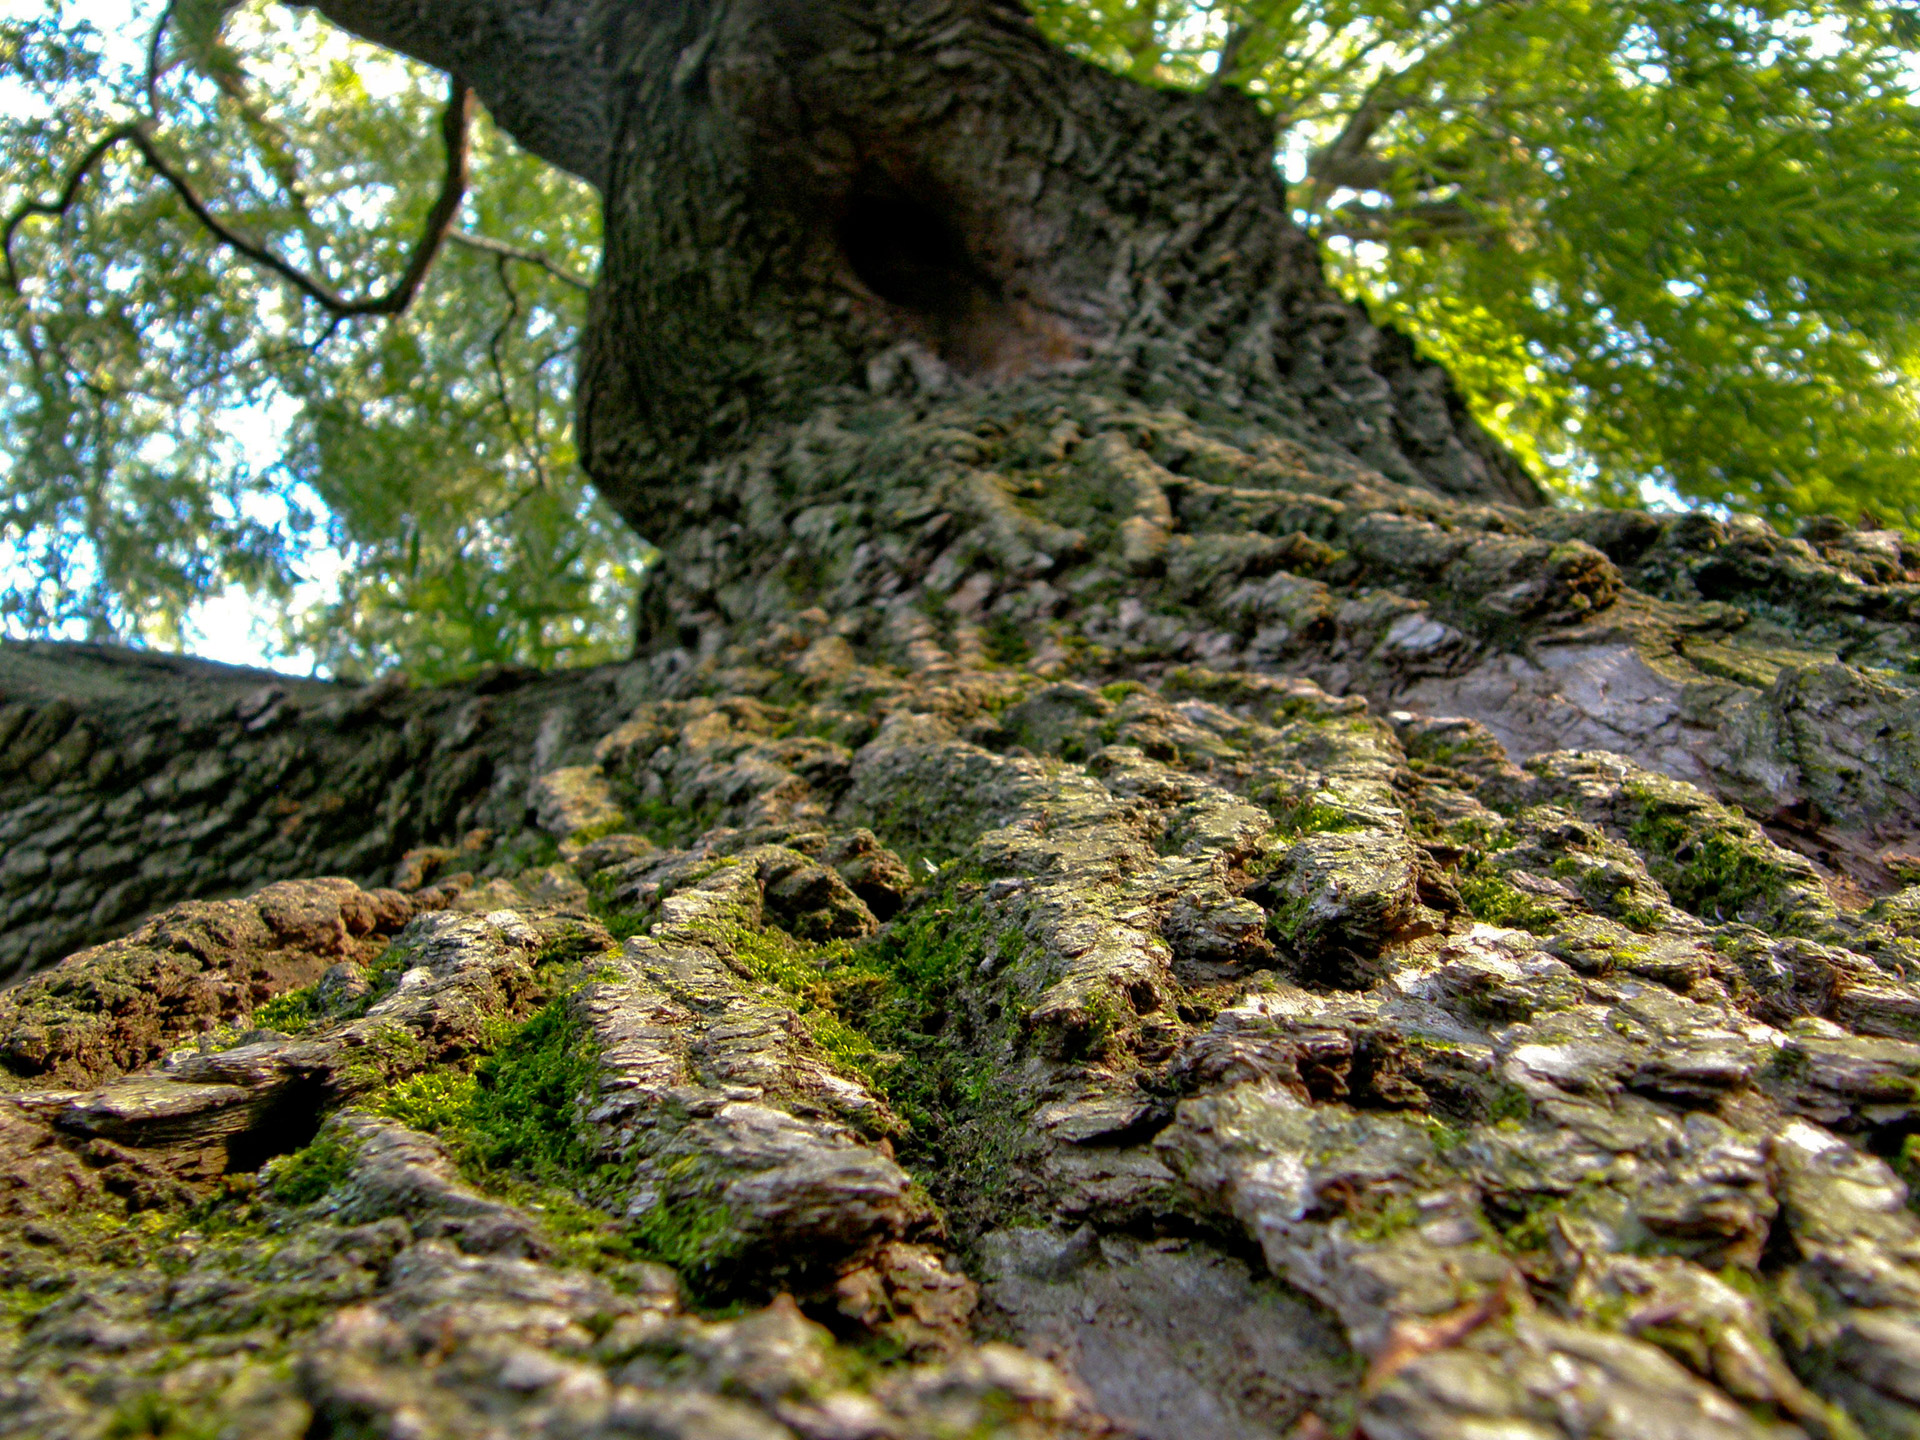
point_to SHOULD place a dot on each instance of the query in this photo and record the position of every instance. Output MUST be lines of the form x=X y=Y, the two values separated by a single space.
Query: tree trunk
x=1130 y=831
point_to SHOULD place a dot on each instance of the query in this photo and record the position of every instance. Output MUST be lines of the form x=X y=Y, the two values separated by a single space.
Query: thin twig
x=1229 y=56
x=490 y=246
x=528 y=451
x=153 y=57
x=138 y=133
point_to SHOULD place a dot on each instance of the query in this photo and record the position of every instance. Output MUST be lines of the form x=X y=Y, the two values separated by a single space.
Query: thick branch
x=393 y=301
x=543 y=71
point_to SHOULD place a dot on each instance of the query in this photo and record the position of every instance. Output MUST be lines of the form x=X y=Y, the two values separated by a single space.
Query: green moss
x=622 y=923
x=1383 y=1219
x=1445 y=1137
x=151 y=1417
x=1104 y=1018
x=1004 y=641
x=1634 y=913
x=670 y=826
x=615 y=824
x=1491 y=899
x=392 y=1051
x=1509 y=1103
x=522 y=1113
x=908 y=1013
x=1285 y=924
x=291 y=1013
x=529 y=850
x=1787 y=1065
x=512 y=1124
x=1713 y=870
x=382 y=975
x=694 y=1235
x=572 y=945
x=434 y=1101
x=1533 y=1212
x=306 y=1175
x=825 y=982
x=20 y=1303
x=1307 y=814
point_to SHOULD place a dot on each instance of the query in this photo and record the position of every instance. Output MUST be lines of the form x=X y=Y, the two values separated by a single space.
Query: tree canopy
x=1664 y=247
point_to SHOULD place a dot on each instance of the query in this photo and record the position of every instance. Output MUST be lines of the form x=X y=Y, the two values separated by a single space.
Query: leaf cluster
x=177 y=423
x=1664 y=245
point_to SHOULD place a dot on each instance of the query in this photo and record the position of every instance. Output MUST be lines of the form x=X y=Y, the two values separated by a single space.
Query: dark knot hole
x=909 y=254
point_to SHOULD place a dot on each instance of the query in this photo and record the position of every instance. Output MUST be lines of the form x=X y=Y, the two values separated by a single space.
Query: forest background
x=1668 y=250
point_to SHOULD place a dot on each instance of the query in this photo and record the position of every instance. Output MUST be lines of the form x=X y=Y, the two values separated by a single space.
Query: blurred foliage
x=403 y=492
x=1667 y=248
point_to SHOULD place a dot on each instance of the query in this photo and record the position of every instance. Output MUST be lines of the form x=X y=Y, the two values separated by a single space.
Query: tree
x=1056 y=868
x=1534 y=193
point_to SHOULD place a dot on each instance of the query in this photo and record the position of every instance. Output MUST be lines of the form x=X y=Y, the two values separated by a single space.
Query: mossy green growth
x=906 y=1013
x=528 y=850
x=825 y=982
x=865 y=1002
x=294 y=1012
x=1383 y=1219
x=1509 y=1103
x=1907 y=1166
x=434 y=1101
x=617 y=823
x=1308 y=814
x=670 y=826
x=149 y=1416
x=571 y=945
x=512 y=1126
x=517 y=1112
x=306 y=1175
x=1787 y=1065
x=1491 y=899
x=695 y=1235
x=622 y=922
x=1635 y=914
x=391 y=1052
x=20 y=1303
x=1004 y=641
x=291 y=1013
x=1714 y=871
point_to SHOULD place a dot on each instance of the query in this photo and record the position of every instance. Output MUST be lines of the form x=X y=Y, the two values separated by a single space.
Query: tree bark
x=1130 y=831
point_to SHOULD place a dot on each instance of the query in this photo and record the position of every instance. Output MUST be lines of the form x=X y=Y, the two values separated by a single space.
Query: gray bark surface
x=129 y=780
x=1138 y=881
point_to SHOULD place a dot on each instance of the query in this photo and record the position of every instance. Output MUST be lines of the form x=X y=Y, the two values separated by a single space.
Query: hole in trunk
x=909 y=254
x=288 y=1122
x=921 y=252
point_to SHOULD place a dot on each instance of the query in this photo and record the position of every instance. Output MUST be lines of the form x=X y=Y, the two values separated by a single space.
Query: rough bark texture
x=1137 y=884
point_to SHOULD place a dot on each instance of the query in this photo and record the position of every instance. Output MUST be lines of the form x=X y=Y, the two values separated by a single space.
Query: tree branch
x=138 y=133
x=489 y=246
x=154 y=42
x=1418 y=224
x=1223 y=68
x=544 y=71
